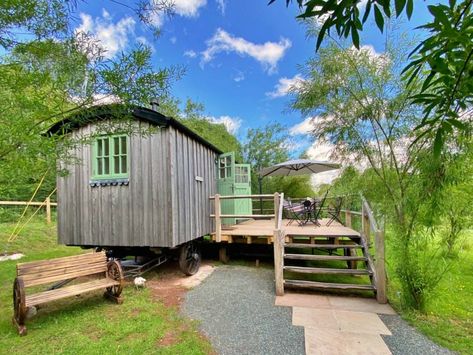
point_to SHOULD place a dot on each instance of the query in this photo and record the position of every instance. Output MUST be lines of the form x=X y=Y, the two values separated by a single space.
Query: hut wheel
x=189 y=258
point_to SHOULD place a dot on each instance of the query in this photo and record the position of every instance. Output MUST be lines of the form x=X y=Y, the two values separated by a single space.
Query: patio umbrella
x=298 y=167
x=295 y=167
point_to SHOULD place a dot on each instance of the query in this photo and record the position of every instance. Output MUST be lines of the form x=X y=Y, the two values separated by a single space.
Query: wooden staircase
x=297 y=265
x=354 y=254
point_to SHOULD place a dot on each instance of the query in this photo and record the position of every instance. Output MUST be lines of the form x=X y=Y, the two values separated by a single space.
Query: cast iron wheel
x=19 y=308
x=114 y=271
x=189 y=258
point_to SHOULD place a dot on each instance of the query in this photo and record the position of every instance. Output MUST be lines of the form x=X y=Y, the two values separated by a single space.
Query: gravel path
x=235 y=306
x=407 y=340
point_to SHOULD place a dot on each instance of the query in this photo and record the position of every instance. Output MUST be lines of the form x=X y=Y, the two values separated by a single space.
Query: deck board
x=265 y=228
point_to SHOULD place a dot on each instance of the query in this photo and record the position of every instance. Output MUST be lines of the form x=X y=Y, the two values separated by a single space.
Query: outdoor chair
x=318 y=208
x=334 y=211
x=295 y=212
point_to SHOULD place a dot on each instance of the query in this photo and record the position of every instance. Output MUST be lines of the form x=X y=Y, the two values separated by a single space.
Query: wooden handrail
x=232 y=197
x=244 y=216
x=24 y=203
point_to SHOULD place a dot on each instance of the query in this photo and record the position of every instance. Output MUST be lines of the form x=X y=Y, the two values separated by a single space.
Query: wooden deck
x=263 y=230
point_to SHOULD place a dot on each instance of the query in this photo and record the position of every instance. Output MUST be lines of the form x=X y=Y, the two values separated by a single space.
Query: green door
x=243 y=187
x=233 y=179
x=226 y=184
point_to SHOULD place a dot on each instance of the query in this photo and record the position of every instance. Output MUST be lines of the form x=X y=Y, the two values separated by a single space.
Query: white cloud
x=188 y=8
x=185 y=8
x=268 y=53
x=232 y=124
x=112 y=37
x=222 y=4
x=239 y=77
x=173 y=39
x=284 y=86
x=304 y=127
x=190 y=53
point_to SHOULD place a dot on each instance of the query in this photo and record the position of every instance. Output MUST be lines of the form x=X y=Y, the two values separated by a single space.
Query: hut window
x=225 y=167
x=241 y=174
x=110 y=157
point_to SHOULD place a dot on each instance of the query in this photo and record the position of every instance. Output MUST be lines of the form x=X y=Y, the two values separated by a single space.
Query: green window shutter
x=110 y=157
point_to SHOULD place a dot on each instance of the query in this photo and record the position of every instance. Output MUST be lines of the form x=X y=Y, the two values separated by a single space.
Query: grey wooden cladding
x=162 y=206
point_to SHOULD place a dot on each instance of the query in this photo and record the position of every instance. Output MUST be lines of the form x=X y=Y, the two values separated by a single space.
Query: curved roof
x=103 y=112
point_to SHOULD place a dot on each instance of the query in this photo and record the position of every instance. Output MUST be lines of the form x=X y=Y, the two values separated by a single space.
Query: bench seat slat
x=63 y=270
x=50 y=279
x=52 y=295
x=52 y=264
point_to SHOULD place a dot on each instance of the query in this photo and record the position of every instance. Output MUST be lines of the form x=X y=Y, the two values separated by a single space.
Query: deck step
x=327 y=285
x=322 y=246
x=320 y=270
x=323 y=257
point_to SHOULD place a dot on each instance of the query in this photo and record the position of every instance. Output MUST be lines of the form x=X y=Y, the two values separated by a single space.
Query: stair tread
x=323 y=257
x=321 y=270
x=322 y=246
x=328 y=285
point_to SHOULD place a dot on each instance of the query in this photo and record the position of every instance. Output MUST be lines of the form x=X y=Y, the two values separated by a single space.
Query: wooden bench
x=107 y=276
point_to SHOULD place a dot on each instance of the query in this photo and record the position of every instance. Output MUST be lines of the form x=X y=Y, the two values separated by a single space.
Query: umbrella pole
x=260 y=183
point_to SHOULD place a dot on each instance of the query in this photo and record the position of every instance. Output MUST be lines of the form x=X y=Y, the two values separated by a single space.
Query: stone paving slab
x=333 y=342
x=356 y=304
x=345 y=321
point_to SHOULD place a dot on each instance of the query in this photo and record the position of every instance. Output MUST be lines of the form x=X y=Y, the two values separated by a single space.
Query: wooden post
x=380 y=267
x=348 y=219
x=278 y=243
x=365 y=223
x=48 y=210
x=218 y=221
x=222 y=254
x=276 y=210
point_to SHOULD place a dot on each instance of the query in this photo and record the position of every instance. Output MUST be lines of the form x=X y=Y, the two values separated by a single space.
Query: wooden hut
x=128 y=192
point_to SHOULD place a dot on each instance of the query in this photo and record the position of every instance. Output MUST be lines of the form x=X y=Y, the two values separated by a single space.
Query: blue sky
x=239 y=55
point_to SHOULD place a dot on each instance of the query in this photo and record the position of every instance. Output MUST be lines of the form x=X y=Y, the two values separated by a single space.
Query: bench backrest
x=59 y=269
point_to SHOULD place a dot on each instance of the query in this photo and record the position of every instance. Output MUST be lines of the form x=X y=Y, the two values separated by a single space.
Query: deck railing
x=277 y=199
x=368 y=228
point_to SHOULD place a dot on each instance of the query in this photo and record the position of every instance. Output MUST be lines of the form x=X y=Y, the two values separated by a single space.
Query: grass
x=448 y=319
x=89 y=324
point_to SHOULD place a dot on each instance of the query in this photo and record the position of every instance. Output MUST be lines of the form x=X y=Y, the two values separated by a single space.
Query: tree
x=47 y=72
x=268 y=146
x=445 y=57
x=361 y=106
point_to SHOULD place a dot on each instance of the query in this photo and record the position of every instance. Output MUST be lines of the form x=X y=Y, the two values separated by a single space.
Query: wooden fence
x=47 y=204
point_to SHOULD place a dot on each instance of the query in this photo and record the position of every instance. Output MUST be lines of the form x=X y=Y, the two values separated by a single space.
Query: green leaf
x=355 y=37
x=409 y=8
x=367 y=11
x=321 y=35
x=458 y=124
x=378 y=16
x=438 y=143
x=399 y=4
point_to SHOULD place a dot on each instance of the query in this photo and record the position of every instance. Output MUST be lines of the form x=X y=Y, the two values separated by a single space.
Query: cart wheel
x=114 y=271
x=189 y=258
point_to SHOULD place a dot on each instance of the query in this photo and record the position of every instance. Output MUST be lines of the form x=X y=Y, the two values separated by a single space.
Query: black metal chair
x=296 y=212
x=334 y=211
x=318 y=208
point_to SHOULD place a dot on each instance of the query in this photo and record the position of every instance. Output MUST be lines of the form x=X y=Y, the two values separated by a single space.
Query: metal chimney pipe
x=154 y=104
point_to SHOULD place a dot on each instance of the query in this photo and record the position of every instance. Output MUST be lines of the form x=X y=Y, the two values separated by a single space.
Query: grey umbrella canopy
x=298 y=167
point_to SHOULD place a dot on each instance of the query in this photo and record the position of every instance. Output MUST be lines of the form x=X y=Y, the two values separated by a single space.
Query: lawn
x=89 y=324
x=448 y=319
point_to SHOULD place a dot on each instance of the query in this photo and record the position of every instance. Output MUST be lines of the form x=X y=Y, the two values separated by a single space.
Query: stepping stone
x=320 y=341
x=347 y=321
x=359 y=304
x=303 y=300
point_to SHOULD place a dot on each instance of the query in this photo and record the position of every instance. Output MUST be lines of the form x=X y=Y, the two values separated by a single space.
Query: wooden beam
x=48 y=210
x=278 y=244
x=276 y=210
x=348 y=219
x=23 y=203
x=243 y=216
x=380 y=267
x=232 y=197
x=218 y=220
